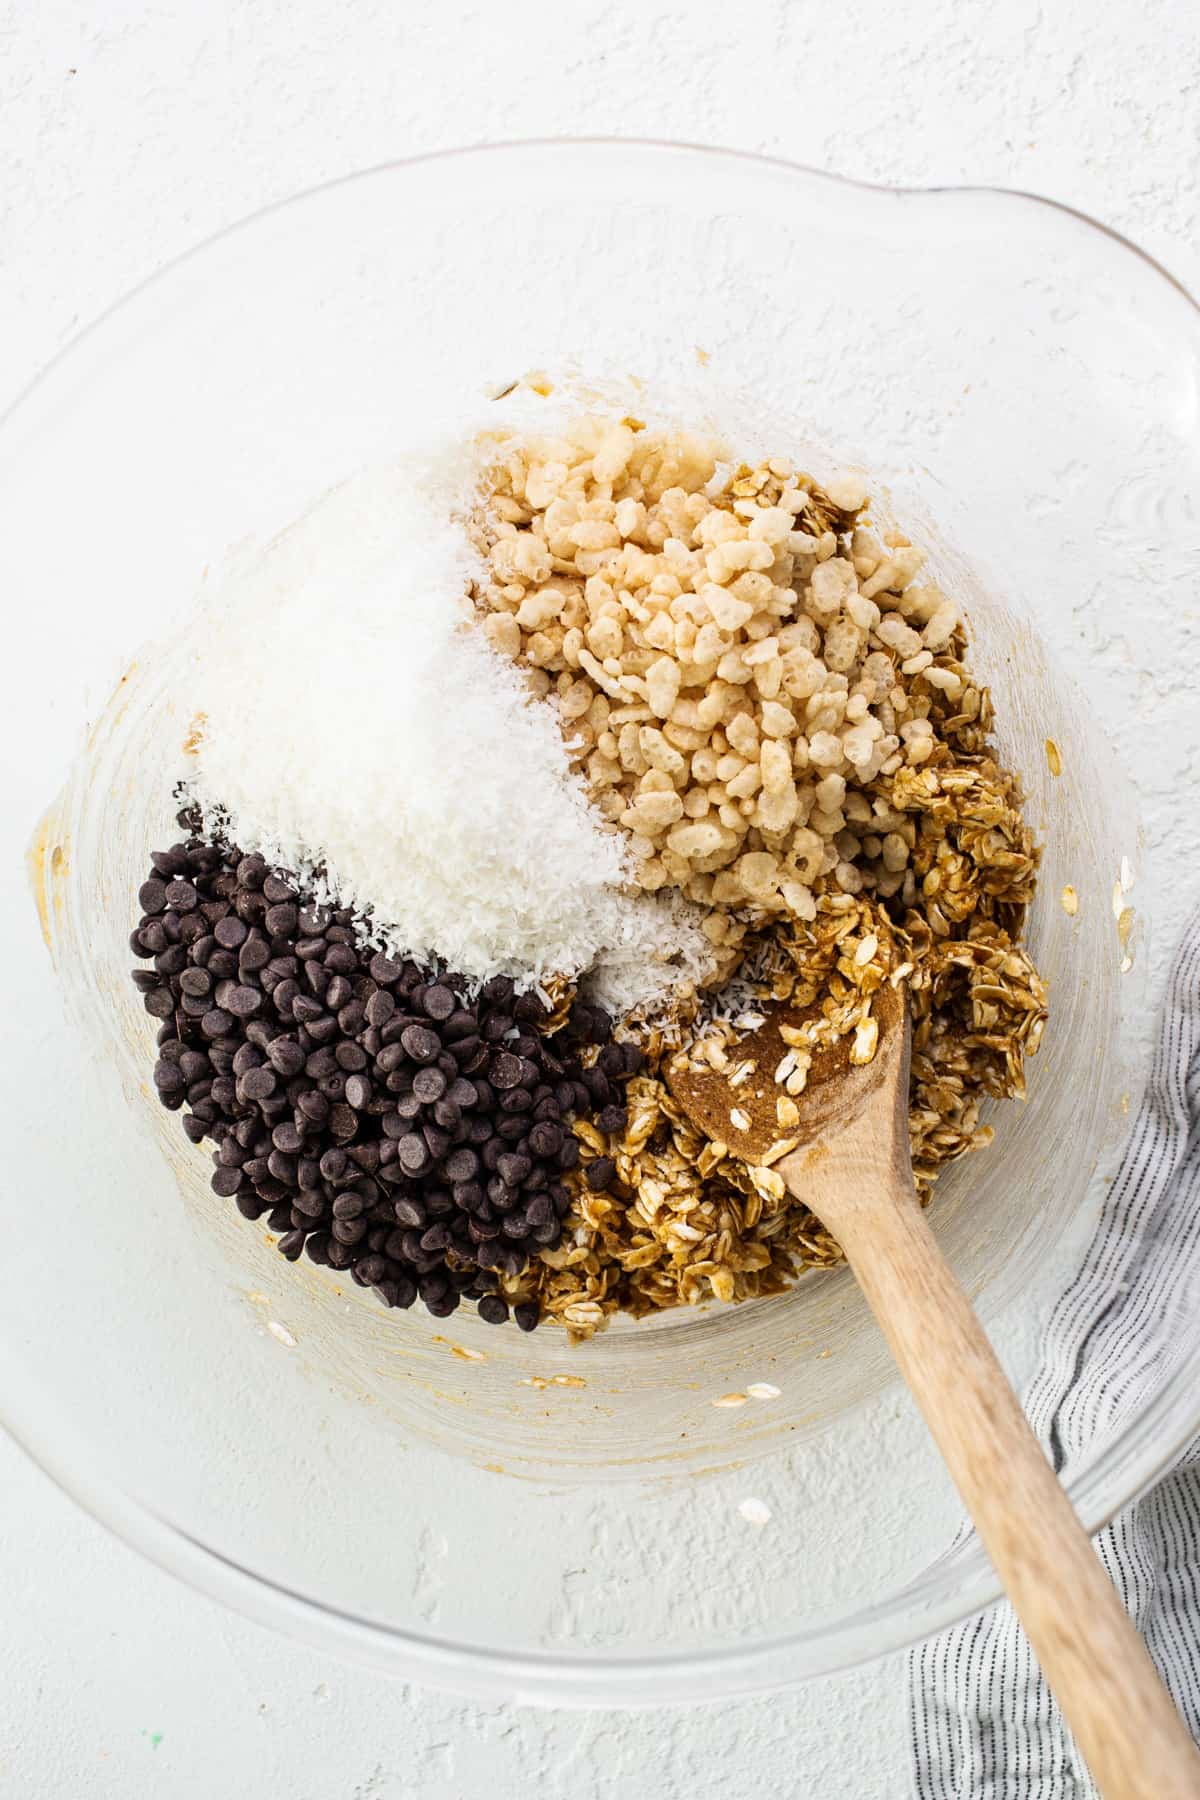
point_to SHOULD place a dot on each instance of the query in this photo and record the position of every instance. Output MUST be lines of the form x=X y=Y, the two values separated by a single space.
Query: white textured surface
x=126 y=141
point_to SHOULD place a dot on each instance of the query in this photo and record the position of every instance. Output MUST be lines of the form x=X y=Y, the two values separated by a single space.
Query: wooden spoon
x=851 y=1166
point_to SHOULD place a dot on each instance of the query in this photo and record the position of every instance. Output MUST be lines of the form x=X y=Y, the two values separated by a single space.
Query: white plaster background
x=128 y=132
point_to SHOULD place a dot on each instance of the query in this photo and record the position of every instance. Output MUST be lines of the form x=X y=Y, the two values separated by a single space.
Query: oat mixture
x=618 y=744
x=765 y=696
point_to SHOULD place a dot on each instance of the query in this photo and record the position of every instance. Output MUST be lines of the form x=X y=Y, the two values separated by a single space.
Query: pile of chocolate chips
x=383 y=1120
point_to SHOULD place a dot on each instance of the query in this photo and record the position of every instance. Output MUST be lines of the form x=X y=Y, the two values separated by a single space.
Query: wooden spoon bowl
x=836 y=1091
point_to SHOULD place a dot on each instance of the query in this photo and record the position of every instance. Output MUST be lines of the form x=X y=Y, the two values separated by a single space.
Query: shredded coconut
x=357 y=728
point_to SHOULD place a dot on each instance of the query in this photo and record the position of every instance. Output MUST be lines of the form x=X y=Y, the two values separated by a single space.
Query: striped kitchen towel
x=983 y=1723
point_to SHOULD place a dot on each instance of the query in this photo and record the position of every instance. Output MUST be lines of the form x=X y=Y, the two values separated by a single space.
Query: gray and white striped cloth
x=983 y=1723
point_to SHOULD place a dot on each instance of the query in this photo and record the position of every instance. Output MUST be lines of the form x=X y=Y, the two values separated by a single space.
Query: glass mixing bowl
x=500 y=1513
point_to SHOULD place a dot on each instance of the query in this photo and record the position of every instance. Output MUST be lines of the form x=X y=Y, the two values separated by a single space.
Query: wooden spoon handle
x=1123 y=1719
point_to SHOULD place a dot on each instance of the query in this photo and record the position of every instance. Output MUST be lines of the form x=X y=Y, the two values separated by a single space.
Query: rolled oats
x=759 y=692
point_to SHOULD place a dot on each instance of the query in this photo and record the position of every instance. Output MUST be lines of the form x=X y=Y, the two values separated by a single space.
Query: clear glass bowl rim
x=943 y=1595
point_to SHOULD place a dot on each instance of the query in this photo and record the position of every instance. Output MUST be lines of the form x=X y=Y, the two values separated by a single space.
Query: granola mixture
x=766 y=699
x=425 y=957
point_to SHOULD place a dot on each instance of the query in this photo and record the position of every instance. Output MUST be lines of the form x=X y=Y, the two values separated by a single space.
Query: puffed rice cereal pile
x=766 y=697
